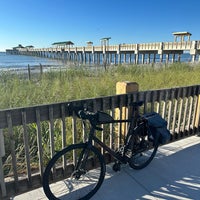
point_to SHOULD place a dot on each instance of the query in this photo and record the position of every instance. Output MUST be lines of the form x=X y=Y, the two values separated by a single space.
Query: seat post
x=135 y=112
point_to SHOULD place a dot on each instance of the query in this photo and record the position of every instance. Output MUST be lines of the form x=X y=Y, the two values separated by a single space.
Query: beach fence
x=32 y=72
x=30 y=136
x=38 y=71
x=29 y=71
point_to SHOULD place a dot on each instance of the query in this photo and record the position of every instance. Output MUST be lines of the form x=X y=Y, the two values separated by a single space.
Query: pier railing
x=30 y=136
x=184 y=45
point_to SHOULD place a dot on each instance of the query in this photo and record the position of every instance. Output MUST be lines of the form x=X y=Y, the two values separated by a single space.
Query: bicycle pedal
x=116 y=167
x=128 y=153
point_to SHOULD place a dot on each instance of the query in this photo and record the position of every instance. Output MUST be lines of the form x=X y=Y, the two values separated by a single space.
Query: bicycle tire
x=143 y=155
x=73 y=175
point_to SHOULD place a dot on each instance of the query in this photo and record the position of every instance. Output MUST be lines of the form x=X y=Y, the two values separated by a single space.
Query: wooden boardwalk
x=173 y=174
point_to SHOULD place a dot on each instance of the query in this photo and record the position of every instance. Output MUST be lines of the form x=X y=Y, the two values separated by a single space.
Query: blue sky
x=42 y=22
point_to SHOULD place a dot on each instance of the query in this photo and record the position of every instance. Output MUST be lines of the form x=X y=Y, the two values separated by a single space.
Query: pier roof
x=19 y=46
x=30 y=46
x=182 y=33
x=89 y=43
x=106 y=38
x=105 y=41
x=63 y=43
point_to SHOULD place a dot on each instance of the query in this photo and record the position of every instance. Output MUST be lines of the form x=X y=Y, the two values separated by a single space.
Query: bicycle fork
x=80 y=166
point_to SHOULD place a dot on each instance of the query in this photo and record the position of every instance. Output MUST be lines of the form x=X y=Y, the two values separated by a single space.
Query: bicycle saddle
x=136 y=103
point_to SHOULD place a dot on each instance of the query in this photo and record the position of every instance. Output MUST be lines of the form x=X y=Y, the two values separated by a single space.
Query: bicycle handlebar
x=96 y=118
x=91 y=117
x=83 y=114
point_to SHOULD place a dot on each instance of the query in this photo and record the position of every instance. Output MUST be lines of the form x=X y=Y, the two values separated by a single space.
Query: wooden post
x=29 y=72
x=124 y=88
x=197 y=115
x=2 y=154
x=2 y=146
x=41 y=70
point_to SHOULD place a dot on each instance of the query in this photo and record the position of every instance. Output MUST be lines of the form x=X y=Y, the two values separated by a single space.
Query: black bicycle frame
x=117 y=156
x=92 y=137
x=109 y=150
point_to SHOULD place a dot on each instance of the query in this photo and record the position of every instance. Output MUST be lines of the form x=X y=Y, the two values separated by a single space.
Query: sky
x=43 y=22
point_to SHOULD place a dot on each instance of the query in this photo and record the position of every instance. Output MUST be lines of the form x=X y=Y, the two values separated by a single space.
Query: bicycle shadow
x=169 y=176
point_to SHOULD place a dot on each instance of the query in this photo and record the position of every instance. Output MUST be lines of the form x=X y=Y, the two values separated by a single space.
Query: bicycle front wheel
x=76 y=172
x=143 y=149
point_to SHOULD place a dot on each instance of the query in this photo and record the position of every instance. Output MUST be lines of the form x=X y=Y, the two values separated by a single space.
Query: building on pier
x=29 y=47
x=105 y=41
x=89 y=44
x=63 y=44
x=18 y=47
x=181 y=35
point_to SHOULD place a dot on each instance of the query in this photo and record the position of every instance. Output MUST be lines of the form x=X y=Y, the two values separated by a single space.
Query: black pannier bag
x=157 y=127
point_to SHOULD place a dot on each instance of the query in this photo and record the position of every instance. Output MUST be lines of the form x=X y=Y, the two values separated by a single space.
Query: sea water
x=11 y=62
x=17 y=62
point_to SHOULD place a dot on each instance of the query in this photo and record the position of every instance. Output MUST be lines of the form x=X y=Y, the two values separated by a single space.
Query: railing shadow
x=172 y=176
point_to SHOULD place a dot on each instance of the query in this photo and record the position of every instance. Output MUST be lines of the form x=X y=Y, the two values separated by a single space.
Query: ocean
x=19 y=62
x=12 y=62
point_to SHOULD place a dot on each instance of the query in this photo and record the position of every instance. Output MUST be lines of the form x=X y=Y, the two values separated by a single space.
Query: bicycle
x=84 y=164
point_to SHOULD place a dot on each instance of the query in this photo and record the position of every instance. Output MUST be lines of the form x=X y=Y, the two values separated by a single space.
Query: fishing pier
x=163 y=52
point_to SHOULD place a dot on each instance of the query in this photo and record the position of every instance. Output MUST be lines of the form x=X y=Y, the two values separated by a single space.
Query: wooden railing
x=32 y=135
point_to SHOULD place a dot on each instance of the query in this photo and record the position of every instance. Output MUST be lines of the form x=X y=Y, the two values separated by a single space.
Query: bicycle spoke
x=143 y=153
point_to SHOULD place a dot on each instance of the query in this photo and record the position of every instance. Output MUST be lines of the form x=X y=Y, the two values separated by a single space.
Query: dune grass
x=83 y=83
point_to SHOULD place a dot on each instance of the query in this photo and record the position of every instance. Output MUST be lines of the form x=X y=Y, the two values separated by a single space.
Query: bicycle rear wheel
x=78 y=172
x=143 y=149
